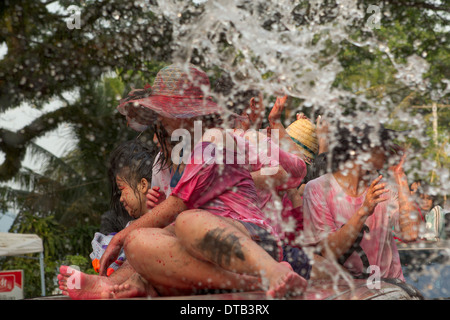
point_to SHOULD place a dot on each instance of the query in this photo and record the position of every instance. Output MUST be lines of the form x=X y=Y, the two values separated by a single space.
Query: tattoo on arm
x=220 y=247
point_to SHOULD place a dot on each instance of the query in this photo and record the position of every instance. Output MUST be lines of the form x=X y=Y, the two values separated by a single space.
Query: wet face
x=425 y=202
x=133 y=200
x=377 y=159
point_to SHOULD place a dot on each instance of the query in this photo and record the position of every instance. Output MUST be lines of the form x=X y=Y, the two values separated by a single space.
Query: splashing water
x=264 y=45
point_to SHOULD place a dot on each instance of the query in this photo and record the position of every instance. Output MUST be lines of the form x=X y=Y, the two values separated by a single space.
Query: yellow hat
x=303 y=132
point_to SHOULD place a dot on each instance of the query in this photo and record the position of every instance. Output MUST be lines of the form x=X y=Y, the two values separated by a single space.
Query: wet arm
x=159 y=217
x=409 y=226
x=270 y=181
x=338 y=242
x=289 y=171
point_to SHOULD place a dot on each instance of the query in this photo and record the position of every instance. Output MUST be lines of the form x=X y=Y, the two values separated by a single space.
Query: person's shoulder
x=318 y=183
x=323 y=179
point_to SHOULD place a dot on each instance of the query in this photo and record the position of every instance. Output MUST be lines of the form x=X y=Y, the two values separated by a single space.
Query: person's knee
x=133 y=243
x=142 y=240
x=187 y=221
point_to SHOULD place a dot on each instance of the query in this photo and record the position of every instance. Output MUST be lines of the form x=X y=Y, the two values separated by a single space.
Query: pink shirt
x=266 y=199
x=326 y=207
x=226 y=190
x=292 y=220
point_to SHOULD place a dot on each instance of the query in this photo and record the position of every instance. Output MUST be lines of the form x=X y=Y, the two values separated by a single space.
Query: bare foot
x=284 y=282
x=135 y=286
x=81 y=286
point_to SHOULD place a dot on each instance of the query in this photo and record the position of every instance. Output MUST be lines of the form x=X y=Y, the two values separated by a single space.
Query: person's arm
x=322 y=132
x=159 y=217
x=288 y=172
x=270 y=181
x=296 y=196
x=409 y=227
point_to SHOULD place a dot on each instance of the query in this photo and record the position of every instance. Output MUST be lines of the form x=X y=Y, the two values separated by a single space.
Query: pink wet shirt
x=326 y=208
x=225 y=190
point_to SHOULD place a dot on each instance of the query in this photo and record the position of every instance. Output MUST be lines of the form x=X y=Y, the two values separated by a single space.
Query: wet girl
x=130 y=173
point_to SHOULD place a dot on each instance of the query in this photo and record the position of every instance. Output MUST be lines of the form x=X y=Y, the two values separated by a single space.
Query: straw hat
x=303 y=132
x=177 y=92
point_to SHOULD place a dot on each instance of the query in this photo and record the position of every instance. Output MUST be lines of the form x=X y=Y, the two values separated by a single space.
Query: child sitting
x=130 y=172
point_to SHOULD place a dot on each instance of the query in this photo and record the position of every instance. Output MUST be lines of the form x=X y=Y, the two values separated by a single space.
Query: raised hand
x=277 y=110
x=374 y=195
x=397 y=169
x=301 y=115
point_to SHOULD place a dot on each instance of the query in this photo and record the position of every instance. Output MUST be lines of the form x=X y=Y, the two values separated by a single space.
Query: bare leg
x=226 y=242
x=158 y=256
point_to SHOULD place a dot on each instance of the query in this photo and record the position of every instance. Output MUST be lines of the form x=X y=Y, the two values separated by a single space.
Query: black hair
x=132 y=160
x=317 y=168
x=424 y=188
x=166 y=143
x=350 y=141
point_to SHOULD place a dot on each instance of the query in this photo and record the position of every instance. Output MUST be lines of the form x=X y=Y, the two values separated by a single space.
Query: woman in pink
x=349 y=214
x=209 y=233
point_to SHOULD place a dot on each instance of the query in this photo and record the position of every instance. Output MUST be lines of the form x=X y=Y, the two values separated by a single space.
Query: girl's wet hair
x=132 y=161
x=164 y=160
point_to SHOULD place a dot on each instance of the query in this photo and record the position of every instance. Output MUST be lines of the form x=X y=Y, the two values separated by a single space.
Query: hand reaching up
x=277 y=110
x=374 y=196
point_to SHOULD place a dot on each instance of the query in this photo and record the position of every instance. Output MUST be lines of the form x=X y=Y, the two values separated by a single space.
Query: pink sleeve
x=195 y=178
x=291 y=163
x=294 y=166
x=318 y=221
